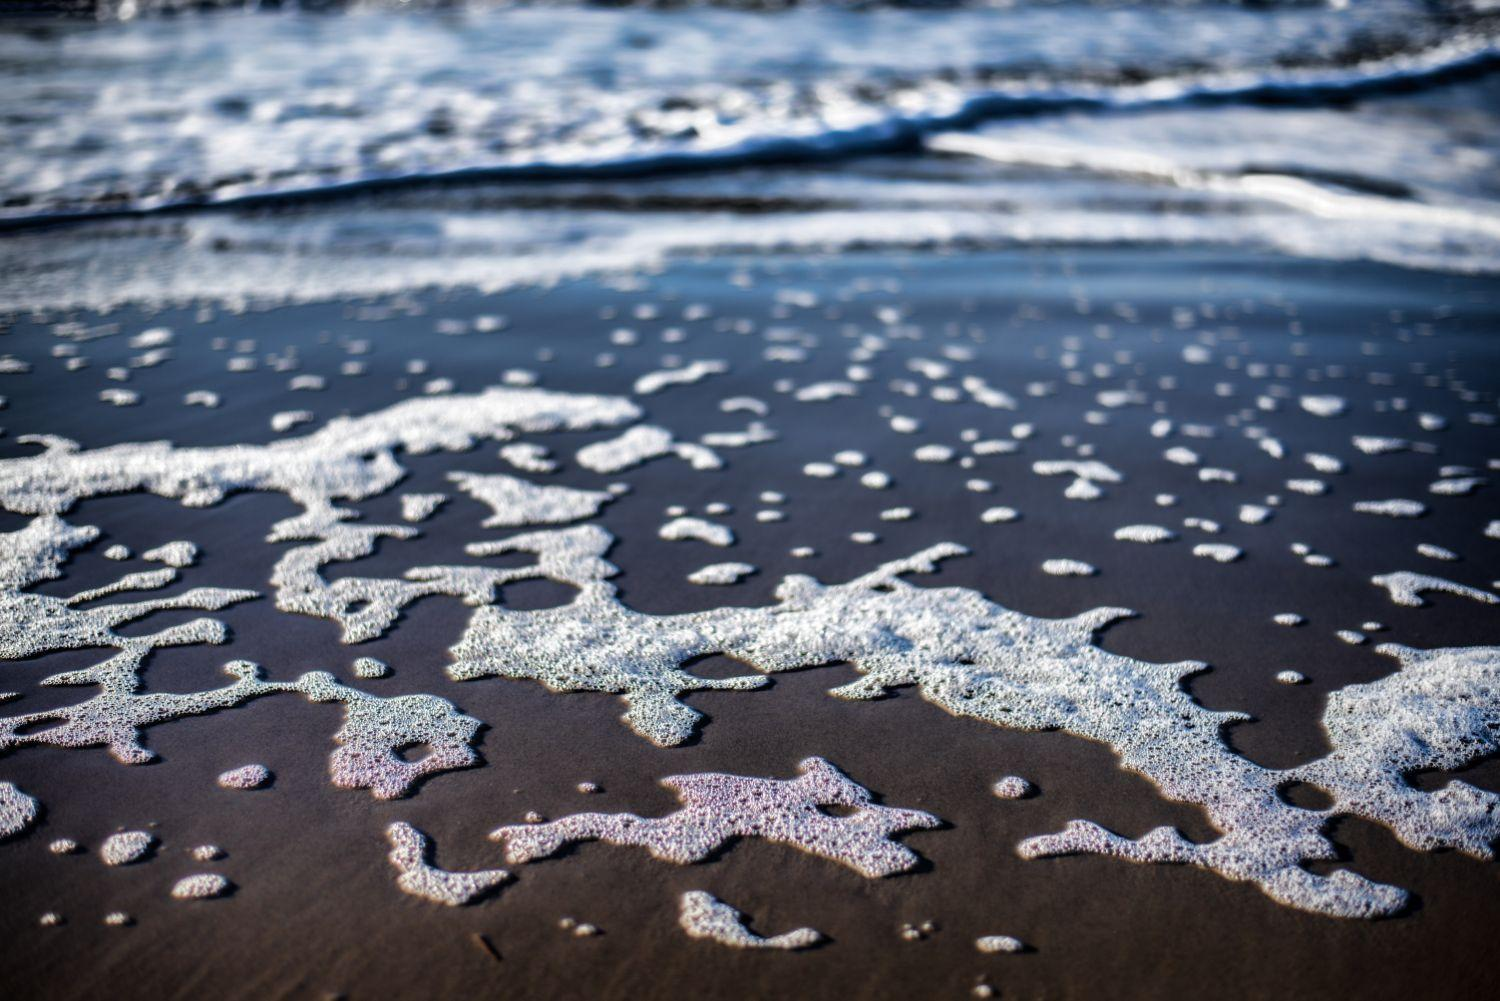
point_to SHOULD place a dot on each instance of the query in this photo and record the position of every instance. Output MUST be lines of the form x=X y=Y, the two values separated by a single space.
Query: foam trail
x=717 y=808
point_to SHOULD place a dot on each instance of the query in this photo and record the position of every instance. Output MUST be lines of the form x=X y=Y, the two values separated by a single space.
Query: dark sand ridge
x=317 y=911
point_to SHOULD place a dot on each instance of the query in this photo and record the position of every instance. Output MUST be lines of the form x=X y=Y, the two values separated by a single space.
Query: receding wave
x=242 y=107
x=890 y=133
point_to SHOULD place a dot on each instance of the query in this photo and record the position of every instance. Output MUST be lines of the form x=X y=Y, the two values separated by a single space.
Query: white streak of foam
x=1406 y=587
x=1393 y=508
x=703 y=916
x=409 y=854
x=717 y=808
x=721 y=573
x=655 y=382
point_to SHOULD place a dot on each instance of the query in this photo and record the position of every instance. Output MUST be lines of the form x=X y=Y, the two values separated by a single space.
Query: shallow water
x=1359 y=131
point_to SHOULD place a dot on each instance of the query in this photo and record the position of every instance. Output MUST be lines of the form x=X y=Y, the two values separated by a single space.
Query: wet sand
x=316 y=912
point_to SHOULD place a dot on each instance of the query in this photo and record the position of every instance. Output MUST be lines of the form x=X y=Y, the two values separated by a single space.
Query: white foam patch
x=516 y=502
x=1459 y=486
x=1406 y=588
x=528 y=457
x=655 y=382
x=641 y=444
x=755 y=433
x=972 y=658
x=717 y=808
x=999 y=944
x=245 y=777
x=1324 y=463
x=1012 y=787
x=1219 y=552
x=287 y=420
x=1255 y=514
x=18 y=811
x=1325 y=405
x=821 y=392
x=125 y=847
x=1378 y=445
x=410 y=851
x=201 y=886
x=347 y=459
x=721 y=573
x=420 y=507
x=696 y=529
x=1394 y=508
x=1087 y=475
x=177 y=554
x=703 y=916
x=1061 y=567
x=370 y=667
x=1144 y=534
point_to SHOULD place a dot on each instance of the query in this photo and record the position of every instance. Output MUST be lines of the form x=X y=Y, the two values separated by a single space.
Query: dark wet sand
x=316 y=912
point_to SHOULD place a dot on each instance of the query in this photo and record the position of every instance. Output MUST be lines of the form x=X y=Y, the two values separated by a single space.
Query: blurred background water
x=304 y=152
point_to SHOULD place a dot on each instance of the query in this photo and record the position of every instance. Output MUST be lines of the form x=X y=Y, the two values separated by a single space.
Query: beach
x=315 y=913
x=836 y=502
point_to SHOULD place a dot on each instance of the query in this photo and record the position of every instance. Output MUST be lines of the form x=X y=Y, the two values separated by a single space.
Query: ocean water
x=496 y=144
